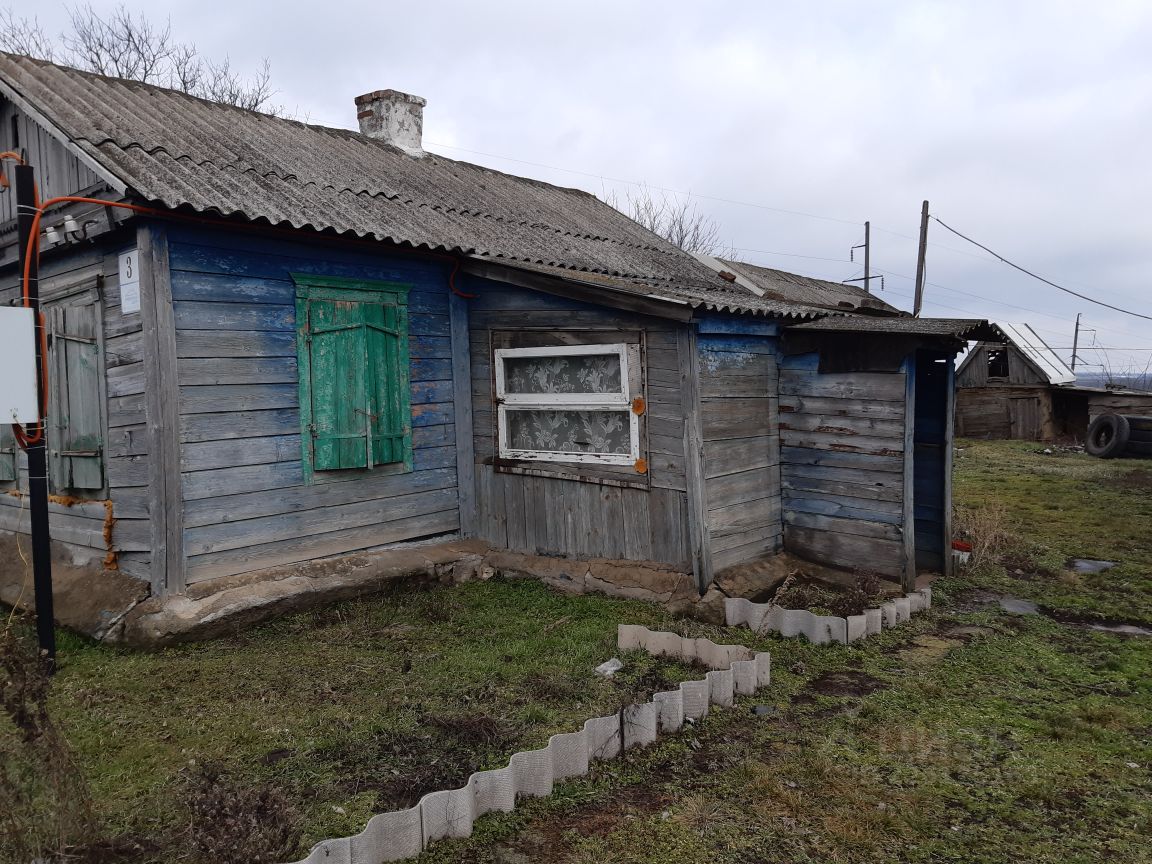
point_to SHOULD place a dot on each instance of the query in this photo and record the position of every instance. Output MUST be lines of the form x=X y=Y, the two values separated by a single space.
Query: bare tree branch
x=122 y=44
x=24 y=36
x=676 y=220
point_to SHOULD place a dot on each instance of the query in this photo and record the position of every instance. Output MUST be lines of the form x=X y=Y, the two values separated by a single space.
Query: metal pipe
x=26 y=211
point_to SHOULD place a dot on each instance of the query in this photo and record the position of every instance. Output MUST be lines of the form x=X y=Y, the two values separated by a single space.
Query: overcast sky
x=1026 y=124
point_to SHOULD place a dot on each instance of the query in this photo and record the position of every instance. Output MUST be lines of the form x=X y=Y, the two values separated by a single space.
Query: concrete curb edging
x=823 y=629
x=733 y=669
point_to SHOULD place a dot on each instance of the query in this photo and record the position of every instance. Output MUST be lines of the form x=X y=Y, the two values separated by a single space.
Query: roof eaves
x=82 y=152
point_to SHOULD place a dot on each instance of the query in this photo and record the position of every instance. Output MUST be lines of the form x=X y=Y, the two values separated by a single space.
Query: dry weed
x=988 y=529
x=44 y=802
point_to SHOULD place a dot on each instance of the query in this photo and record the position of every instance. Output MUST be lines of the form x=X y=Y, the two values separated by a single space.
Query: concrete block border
x=733 y=669
x=823 y=629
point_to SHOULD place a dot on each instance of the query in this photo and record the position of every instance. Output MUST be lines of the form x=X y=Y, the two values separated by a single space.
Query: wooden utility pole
x=37 y=452
x=1076 y=340
x=920 y=261
x=867 y=254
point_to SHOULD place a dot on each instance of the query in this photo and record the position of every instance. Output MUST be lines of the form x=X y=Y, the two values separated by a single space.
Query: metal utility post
x=1076 y=340
x=920 y=261
x=867 y=255
x=38 y=452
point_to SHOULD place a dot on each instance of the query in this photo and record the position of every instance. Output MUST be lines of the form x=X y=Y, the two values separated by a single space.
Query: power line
x=1041 y=278
x=603 y=177
x=1067 y=321
x=789 y=255
x=724 y=200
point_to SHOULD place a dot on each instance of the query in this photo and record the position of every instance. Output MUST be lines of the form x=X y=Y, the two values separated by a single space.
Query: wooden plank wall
x=739 y=415
x=82 y=273
x=560 y=516
x=1119 y=403
x=58 y=172
x=987 y=412
x=246 y=505
x=1021 y=370
x=842 y=465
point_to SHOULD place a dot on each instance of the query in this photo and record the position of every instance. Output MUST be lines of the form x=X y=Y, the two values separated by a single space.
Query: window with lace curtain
x=566 y=404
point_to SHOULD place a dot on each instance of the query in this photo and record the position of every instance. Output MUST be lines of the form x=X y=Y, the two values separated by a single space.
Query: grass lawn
x=968 y=735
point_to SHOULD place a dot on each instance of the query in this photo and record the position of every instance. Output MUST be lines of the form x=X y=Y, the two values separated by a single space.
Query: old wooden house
x=317 y=341
x=1016 y=386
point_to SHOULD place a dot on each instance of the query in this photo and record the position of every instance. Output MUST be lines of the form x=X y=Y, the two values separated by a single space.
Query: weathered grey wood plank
x=837 y=407
x=738 y=455
x=794 y=482
x=252 y=505
x=284 y=526
x=758 y=534
x=745 y=516
x=889 y=512
x=833 y=524
x=745 y=486
x=844 y=425
x=838 y=459
x=870 y=386
x=849 y=551
x=758 y=548
x=835 y=441
x=299 y=549
x=461 y=374
x=697 y=501
x=737 y=418
x=163 y=419
x=278 y=475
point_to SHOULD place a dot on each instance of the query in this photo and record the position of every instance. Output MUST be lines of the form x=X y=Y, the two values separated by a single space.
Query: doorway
x=934 y=377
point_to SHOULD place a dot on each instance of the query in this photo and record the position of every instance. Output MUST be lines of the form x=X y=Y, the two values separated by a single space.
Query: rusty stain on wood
x=110 y=560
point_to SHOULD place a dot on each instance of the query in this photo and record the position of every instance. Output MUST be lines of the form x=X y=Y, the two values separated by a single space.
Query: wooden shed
x=1016 y=386
x=316 y=342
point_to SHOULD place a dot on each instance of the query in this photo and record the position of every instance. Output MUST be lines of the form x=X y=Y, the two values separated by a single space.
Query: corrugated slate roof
x=1035 y=349
x=777 y=284
x=958 y=328
x=173 y=149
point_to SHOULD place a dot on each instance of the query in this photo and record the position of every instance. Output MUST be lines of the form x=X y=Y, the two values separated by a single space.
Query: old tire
x=1138 y=436
x=1107 y=436
x=1140 y=450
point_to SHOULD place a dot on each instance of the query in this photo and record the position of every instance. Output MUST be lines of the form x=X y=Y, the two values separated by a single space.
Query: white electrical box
x=18 y=366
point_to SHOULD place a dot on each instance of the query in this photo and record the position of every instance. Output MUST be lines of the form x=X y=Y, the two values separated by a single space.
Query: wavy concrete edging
x=822 y=629
x=734 y=669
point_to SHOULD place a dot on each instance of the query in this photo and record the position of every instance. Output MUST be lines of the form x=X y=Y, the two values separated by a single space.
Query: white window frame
x=621 y=401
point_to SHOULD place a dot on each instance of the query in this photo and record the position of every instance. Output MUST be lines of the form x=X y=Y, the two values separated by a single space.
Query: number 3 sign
x=129 y=282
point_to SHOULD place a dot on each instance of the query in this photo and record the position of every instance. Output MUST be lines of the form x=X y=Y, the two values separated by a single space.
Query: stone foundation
x=86 y=596
x=223 y=606
x=110 y=606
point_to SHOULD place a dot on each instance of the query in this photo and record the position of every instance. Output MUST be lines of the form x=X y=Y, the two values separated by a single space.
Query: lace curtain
x=584 y=373
x=569 y=431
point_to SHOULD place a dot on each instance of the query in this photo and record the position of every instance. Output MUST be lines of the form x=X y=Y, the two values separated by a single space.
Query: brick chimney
x=394 y=117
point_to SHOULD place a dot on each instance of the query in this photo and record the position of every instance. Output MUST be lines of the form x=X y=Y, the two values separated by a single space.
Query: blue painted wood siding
x=247 y=505
x=739 y=418
x=842 y=455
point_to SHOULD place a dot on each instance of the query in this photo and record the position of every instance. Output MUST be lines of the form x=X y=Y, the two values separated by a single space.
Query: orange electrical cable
x=33 y=252
x=33 y=249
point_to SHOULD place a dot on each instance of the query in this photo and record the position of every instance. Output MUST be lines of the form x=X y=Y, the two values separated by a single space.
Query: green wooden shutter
x=341 y=403
x=75 y=430
x=386 y=328
x=7 y=454
x=352 y=345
